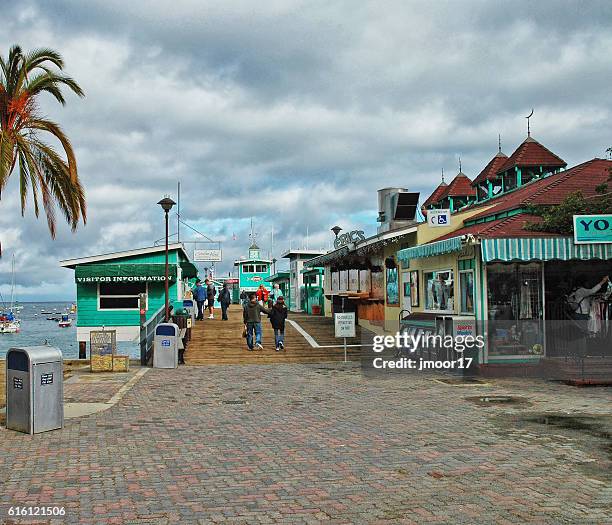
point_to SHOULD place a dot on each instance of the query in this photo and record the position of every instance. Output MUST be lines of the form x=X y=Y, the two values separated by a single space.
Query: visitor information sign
x=344 y=324
x=593 y=229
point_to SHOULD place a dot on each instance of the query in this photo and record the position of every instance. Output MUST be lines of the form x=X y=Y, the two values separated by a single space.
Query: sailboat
x=9 y=324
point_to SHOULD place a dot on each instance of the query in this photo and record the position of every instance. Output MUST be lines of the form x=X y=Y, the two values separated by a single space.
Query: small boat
x=73 y=308
x=9 y=327
x=65 y=322
x=56 y=319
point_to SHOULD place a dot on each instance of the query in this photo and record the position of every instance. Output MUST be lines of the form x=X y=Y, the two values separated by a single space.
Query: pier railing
x=147 y=335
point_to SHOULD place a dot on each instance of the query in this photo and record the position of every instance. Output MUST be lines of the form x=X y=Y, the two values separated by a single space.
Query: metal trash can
x=34 y=389
x=165 y=346
x=190 y=306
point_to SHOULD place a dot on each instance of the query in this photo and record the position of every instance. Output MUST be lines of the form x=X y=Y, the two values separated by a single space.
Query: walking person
x=225 y=299
x=262 y=295
x=210 y=295
x=278 y=315
x=199 y=294
x=251 y=315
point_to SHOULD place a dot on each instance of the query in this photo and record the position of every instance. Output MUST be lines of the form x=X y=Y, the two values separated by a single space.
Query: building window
x=515 y=307
x=439 y=290
x=248 y=268
x=120 y=296
x=260 y=268
x=466 y=284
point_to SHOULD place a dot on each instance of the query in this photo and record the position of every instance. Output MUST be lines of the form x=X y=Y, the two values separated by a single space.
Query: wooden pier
x=214 y=341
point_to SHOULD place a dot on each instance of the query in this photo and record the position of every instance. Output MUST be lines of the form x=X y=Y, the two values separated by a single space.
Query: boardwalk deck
x=214 y=341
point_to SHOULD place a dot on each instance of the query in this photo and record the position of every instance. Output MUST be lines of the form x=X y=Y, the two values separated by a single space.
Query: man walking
x=199 y=294
x=225 y=299
x=251 y=315
x=210 y=295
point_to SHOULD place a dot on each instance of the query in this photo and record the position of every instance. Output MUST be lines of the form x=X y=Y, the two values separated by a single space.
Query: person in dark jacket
x=199 y=294
x=211 y=291
x=278 y=314
x=251 y=315
x=225 y=299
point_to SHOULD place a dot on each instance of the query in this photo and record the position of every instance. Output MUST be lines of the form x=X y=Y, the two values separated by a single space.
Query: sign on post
x=207 y=255
x=344 y=324
x=438 y=218
x=593 y=229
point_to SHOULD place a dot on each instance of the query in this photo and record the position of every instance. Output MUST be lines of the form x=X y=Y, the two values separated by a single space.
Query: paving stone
x=309 y=447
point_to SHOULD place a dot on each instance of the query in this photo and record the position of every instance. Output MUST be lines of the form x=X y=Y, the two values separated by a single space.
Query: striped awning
x=431 y=249
x=541 y=249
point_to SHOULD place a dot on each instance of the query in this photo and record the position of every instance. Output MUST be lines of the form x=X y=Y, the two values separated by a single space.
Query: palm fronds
x=44 y=173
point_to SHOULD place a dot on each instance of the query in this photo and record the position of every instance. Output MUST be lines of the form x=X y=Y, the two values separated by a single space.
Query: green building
x=109 y=287
x=312 y=295
x=252 y=271
x=282 y=279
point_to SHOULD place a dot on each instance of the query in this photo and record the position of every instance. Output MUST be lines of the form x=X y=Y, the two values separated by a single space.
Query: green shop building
x=252 y=271
x=109 y=288
x=282 y=279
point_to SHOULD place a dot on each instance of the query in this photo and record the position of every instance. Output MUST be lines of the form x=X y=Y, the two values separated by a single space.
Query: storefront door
x=516 y=308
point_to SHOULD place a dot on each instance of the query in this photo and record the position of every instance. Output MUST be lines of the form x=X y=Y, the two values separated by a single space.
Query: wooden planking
x=220 y=342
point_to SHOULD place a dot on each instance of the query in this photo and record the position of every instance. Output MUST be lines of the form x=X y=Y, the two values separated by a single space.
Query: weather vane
x=528 y=127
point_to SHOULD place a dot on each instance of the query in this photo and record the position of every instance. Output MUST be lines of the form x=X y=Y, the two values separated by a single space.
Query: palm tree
x=50 y=177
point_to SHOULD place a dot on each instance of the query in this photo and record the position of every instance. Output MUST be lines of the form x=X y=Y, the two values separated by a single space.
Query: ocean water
x=37 y=330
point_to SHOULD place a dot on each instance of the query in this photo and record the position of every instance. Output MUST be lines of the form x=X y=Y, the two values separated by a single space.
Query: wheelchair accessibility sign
x=438 y=218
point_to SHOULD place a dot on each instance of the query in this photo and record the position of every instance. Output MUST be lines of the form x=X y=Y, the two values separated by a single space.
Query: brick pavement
x=312 y=444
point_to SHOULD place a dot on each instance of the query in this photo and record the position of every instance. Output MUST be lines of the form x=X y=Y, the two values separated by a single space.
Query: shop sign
x=593 y=229
x=124 y=279
x=255 y=278
x=207 y=255
x=348 y=238
x=344 y=324
x=438 y=218
x=231 y=281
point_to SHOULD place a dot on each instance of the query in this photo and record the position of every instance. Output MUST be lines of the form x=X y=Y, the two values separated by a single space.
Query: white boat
x=65 y=322
x=9 y=327
x=9 y=324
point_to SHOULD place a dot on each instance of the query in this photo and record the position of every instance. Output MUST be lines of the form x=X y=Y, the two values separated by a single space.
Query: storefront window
x=515 y=309
x=120 y=296
x=466 y=283
x=439 y=290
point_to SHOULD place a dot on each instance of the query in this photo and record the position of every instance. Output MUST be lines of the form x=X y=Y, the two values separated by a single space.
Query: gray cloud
x=294 y=113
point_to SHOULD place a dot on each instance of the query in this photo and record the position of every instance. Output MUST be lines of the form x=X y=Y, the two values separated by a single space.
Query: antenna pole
x=178 y=212
x=442 y=175
x=499 y=141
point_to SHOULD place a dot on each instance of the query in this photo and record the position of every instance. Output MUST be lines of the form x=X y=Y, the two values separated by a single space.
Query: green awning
x=431 y=249
x=189 y=270
x=542 y=249
x=145 y=272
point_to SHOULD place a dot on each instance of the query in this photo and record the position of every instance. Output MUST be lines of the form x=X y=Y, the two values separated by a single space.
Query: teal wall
x=89 y=315
x=87 y=295
x=246 y=279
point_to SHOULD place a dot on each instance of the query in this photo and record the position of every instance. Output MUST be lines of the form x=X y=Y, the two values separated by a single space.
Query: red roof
x=553 y=189
x=491 y=169
x=461 y=186
x=507 y=227
x=435 y=196
x=532 y=153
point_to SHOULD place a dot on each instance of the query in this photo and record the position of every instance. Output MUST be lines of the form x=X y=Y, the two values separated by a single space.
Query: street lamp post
x=166 y=203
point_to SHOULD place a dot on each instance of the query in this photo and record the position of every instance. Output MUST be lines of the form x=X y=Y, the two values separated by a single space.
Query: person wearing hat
x=199 y=294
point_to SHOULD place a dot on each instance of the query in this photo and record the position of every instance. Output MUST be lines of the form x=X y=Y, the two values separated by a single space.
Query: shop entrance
x=515 y=298
x=566 y=336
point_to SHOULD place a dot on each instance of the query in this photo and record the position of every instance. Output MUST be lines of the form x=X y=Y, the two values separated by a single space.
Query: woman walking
x=278 y=314
x=225 y=299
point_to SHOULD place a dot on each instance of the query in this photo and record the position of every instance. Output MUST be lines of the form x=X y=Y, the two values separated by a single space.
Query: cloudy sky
x=294 y=113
